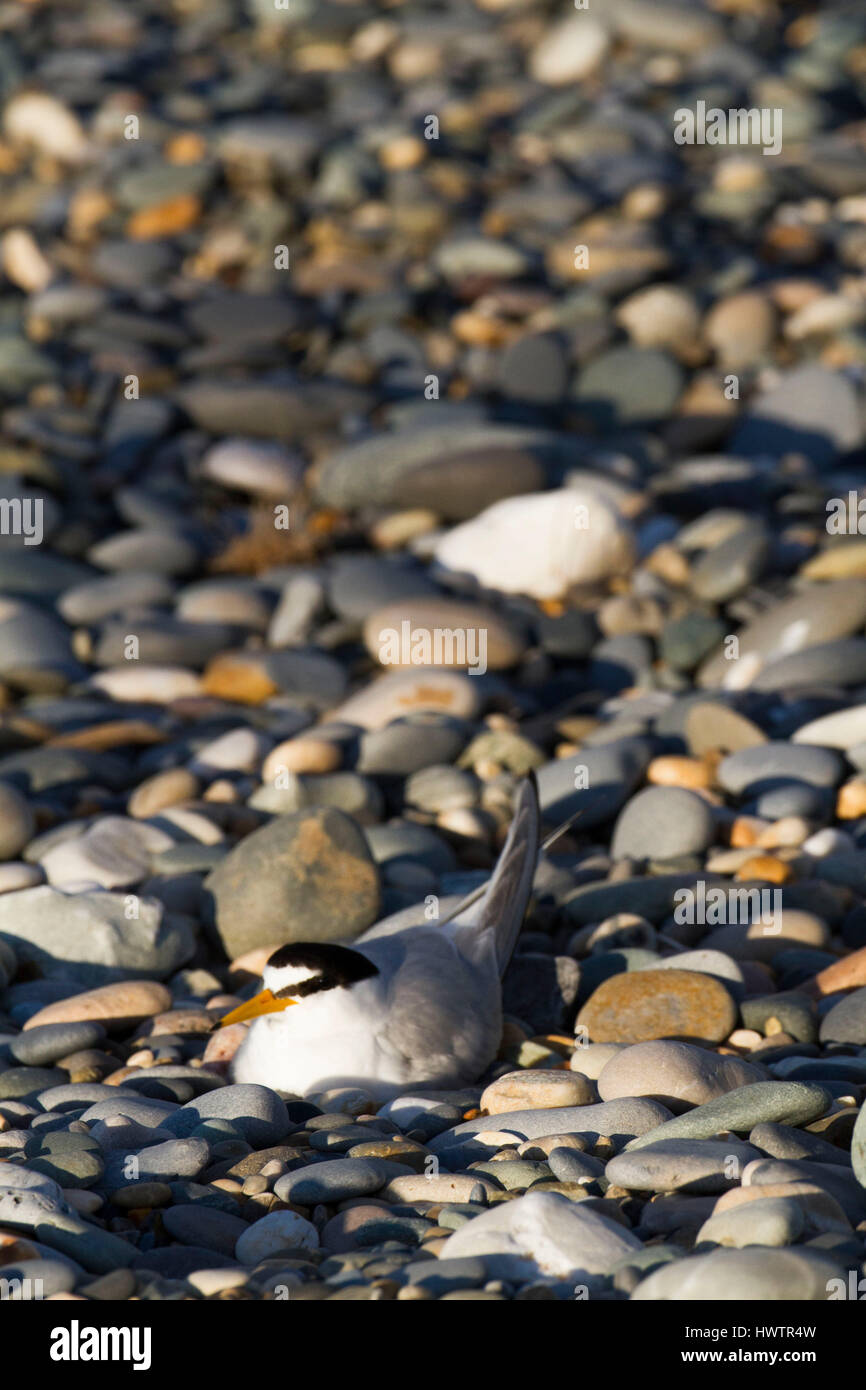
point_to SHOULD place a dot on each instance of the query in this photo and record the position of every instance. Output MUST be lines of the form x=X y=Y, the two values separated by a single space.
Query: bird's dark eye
x=333 y=967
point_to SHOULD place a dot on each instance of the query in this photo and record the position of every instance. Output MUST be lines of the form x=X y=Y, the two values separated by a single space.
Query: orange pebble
x=851 y=801
x=673 y=771
x=746 y=831
x=849 y=973
x=406 y=152
x=187 y=147
x=764 y=866
x=165 y=219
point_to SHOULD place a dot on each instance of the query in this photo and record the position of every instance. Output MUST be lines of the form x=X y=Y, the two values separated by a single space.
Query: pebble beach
x=399 y=401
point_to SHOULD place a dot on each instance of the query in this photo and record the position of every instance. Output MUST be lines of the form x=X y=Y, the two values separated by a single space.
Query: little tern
x=416 y=1008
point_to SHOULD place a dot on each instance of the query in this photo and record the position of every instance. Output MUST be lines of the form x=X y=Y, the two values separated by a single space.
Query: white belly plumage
x=322 y=1043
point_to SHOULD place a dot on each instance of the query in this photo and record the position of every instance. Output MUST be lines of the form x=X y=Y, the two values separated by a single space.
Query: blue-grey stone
x=444 y=1276
x=839 y=1182
x=620 y=1120
x=23 y=1083
x=38 y=1047
x=762 y=768
x=149 y=1113
x=846 y=1021
x=337 y=1180
x=682 y=1165
x=200 y=1225
x=786 y=1102
x=811 y=410
x=176 y=1158
x=663 y=823
x=35 y=1279
x=257 y=1112
x=737 y=1276
x=596 y=781
x=179 y=1261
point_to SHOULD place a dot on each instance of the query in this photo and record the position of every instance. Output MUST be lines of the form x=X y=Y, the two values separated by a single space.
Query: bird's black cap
x=333 y=967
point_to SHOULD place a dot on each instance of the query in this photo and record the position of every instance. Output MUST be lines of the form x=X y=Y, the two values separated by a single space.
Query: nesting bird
x=417 y=1007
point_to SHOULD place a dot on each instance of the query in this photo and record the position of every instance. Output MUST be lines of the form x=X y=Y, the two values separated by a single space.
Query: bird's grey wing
x=502 y=906
x=409 y=917
x=442 y=1017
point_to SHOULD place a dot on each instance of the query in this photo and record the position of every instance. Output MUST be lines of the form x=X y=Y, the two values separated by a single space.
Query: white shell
x=540 y=544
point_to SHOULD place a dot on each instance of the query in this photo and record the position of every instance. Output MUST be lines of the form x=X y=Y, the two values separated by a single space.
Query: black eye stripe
x=313 y=986
x=335 y=967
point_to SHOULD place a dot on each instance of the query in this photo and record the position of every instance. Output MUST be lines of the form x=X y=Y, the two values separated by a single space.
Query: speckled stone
x=647 y=1004
x=304 y=876
x=536 y=1090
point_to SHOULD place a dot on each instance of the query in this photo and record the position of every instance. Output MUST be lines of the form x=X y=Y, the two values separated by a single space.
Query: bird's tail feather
x=502 y=905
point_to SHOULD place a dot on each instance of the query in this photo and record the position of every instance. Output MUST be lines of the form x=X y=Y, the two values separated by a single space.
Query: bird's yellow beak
x=263 y=1003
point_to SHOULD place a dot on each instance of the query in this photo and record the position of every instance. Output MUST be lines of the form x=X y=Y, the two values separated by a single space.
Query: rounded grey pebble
x=20 y=1083
x=37 y=1279
x=337 y=1180
x=256 y=1111
x=38 y=1047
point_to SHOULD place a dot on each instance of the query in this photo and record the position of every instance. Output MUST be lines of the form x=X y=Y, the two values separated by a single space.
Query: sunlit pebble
x=144 y=1058
x=322 y=57
x=465 y=822
x=87 y=208
x=37 y=120
x=660 y=316
x=829 y=841
x=413 y=60
x=161 y=684
x=480 y=330
x=787 y=832
x=645 y=202
x=851 y=799
x=301 y=756
x=24 y=263
x=405 y=152
x=187 y=147
x=744 y=1040
x=791 y=243
x=764 y=866
x=794 y=294
x=746 y=831
x=396 y=530
x=739 y=174
x=673 y=771
x=852 y=209
x=117 y=1078
x=832 y=313
x=569 y=51
x=740 y=328
x=373 y=40
x=664 y=69
x=171 y=218
x=222 y=790
x=669 y=563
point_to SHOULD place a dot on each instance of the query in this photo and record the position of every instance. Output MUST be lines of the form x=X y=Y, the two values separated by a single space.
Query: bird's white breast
x=326 y=1040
